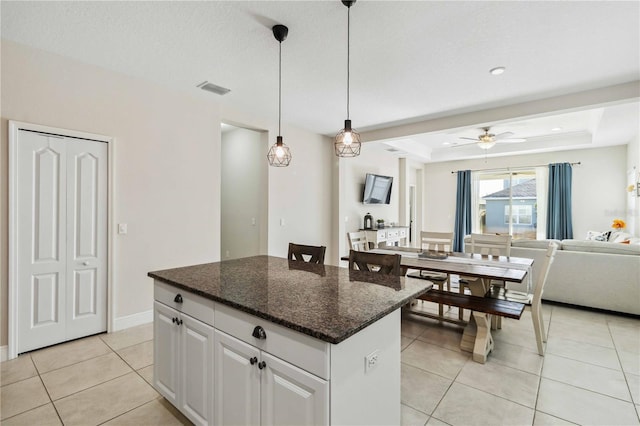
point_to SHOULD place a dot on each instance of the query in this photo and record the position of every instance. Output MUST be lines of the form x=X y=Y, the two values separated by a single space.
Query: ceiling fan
x=488 y=140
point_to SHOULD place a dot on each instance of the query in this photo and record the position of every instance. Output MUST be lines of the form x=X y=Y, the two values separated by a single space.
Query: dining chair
x=388 y=264
x=309 y=254
x=491 y=244
x=441 y=242
x=487 y=245
x=358 y=241
x=536 y=297
x=536 y=302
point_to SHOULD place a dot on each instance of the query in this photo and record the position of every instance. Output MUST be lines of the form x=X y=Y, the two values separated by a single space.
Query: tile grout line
x=624 y=373
x=547 y=331
x=48 y=394
x=128 y=411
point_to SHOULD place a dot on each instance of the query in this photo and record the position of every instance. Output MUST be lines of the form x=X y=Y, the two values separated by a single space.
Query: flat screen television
x=377 y=189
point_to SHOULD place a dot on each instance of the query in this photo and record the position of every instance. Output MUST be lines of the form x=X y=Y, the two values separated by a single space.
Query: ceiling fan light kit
x=279 y=154
x=487 y=144
x=488 y=140
x=347 y=142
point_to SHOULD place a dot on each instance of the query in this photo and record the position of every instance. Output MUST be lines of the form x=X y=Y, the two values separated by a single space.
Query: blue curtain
x=463 y=210
x=559 y=222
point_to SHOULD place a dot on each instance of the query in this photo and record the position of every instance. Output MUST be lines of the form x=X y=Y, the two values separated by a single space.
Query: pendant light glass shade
x=347 y=142
x=279 y=154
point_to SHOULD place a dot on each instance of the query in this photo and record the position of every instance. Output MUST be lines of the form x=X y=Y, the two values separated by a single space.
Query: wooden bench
x=500 y=307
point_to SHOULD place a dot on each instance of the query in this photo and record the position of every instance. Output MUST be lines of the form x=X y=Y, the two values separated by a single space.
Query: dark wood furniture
x=476 y=337
x=313 y=254
x=500 y=307
x=375 y=262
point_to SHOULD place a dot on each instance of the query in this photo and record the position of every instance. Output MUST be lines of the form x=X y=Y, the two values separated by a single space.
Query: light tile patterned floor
x=590 y=375
x=102 y=379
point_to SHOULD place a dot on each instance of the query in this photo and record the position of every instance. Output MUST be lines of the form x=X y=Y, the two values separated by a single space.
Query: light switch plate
x=122 y=228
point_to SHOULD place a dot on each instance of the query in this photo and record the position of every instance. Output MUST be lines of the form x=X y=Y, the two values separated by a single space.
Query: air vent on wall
x=210 y=87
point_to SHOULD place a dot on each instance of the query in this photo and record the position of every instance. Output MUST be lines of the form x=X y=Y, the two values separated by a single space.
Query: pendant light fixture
x=279 y=154
x=347 y=142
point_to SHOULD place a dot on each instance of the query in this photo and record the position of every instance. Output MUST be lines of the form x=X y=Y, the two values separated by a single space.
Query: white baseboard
x=4 y=350
x=133 y=320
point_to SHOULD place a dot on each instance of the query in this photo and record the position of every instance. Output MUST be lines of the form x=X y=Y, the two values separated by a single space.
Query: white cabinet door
x=166 y=345
x=291 y=396
x=237 y=384
x=196 y=370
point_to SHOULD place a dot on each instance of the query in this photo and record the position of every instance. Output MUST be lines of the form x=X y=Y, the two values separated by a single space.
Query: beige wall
x=351 y=177
x=243 y=199
x=598 y=186
x=167 y=172
x=301 y=194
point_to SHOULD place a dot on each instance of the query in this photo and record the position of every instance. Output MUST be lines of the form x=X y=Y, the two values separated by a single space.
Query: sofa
x=594 y=274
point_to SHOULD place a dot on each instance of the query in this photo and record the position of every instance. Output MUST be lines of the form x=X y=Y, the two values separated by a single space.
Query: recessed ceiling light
x=446 y=143
x=497 y=70
x=556 y=129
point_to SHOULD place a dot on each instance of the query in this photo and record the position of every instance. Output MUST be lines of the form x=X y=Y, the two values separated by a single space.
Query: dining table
x=478 y=270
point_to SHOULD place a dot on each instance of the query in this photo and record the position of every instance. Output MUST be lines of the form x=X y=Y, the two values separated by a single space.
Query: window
x=520 y=215
x=507 y=202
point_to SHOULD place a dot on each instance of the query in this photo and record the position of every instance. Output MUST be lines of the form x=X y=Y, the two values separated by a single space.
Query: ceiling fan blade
x=464 y=144
x=512 y=140
x=503 y=135
x=470 y=139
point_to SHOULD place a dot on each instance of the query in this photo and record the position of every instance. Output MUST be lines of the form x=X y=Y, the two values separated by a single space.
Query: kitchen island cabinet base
x=357 y=382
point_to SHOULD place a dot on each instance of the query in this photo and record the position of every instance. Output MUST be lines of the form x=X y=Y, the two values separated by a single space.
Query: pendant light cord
x=280 y=90
x=348 y=53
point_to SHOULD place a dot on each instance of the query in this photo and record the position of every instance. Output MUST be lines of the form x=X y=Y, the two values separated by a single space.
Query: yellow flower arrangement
x=618 y=224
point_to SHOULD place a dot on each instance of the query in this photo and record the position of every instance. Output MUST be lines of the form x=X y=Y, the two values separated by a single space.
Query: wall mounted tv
x=377 y=189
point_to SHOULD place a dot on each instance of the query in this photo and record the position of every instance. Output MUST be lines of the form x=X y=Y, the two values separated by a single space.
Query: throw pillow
x=598 y=236
x=619 y=236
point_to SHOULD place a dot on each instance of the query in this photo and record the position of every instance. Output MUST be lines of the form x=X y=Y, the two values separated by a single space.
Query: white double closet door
x=61 y=238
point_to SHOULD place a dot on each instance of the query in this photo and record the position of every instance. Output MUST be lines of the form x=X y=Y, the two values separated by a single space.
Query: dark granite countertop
x=326 y=302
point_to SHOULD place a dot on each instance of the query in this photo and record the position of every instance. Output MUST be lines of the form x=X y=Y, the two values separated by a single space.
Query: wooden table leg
x=477 y=335
x=484 y=341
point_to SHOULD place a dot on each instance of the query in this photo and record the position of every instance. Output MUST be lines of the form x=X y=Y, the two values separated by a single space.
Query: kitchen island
x=263 y=340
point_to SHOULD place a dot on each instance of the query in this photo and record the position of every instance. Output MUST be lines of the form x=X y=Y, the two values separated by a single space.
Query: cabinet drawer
x=196 y=306
x=382 y=235
x=391 y=234
x=402 y=233
x=299 y=349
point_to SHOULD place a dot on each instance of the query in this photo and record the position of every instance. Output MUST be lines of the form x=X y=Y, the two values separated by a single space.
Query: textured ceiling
x=409 y=60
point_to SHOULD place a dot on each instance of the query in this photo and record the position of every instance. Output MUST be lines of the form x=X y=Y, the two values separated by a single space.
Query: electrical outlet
x=122 y=228
x=371 y=361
